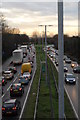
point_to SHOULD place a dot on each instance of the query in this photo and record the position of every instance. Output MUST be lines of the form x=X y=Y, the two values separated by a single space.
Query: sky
x=27 y=16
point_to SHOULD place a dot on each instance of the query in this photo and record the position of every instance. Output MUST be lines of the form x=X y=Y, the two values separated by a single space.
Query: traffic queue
x=68 y=76
x=12 y=105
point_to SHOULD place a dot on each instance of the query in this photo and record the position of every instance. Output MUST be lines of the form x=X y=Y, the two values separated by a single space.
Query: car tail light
x=30 y=71
x=3 y=108
x=20 y=89
x=2 y=80
x=14 y=108
x=14 y=68
x=11 y=89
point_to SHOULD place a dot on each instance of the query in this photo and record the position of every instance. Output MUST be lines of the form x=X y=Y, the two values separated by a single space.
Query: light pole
x=61 y=48
x=42 y=40
x=46 y=47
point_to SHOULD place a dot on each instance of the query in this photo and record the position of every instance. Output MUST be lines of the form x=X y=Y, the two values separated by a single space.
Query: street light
x=45 y=47
x=61 y=49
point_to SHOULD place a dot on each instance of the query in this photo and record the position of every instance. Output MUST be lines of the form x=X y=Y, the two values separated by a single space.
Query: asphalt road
x=72 y=90
x=6 y=88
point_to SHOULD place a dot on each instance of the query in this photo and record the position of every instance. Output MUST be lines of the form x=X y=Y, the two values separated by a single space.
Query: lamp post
x=42 y=40
x=45 y=47
x=61 y=70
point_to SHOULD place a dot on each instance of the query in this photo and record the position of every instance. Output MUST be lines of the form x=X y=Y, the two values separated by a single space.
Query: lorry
x=17 y=56
x=26 y=67
x=24 y=49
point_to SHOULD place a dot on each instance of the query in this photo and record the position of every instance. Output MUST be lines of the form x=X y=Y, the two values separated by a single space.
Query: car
x=31 y=64
x=65 y=69
x=27 y=75
x=33 y=55
x=68 y=60
x=69 y=78
x=11 y=106
x=48 y=52
x=12 y=69
x=16 y=89
x=26 y=67
x=23 y=80
x=76 y=69
x=7 y=74
x=56 y=62
x=51 y=55
x=74 y=64
x=56 y=52
x=30 y=59
x=65 y=57
x=3 y=81
x=24 y=55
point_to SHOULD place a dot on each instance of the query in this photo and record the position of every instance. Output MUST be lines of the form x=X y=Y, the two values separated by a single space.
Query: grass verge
x=30 y=105
x=44 y=109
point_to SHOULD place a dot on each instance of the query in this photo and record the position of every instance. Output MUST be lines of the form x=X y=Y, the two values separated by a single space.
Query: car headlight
x=73 y=79
x=74 y=69
x=67 y=79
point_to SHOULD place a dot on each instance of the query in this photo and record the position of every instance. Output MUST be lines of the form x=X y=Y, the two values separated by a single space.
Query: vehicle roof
x=2 y=77
x=65 y=66
x=17 y=50
x=8 y=71
x=10 y=101
x=74 y=62
x=11 y=67
x=77 y=67
x=18 y=84
x=69 y=74
x=26 y=73
x=28 y=63
x=23 y=46
x=68 y=59
x=21 y=76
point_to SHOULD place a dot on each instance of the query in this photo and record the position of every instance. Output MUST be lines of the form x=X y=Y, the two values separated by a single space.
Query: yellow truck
x=26 y=67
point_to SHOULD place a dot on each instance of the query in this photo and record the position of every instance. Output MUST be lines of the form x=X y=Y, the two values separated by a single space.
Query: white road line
x=3 y=95
x=9 y=86
x=14 y=80
x=68 y=97
x=27 y=95
x=71 y=102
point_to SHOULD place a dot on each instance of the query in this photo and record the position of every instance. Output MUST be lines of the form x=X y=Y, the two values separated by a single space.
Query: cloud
x=39 y=1
x=27 y=16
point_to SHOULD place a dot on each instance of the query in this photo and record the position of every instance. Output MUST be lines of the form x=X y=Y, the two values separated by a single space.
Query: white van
x=17 y=56
x=24 y=49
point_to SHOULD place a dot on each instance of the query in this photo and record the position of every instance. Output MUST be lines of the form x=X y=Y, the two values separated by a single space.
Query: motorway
x=71 y=90
x=6 y=88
